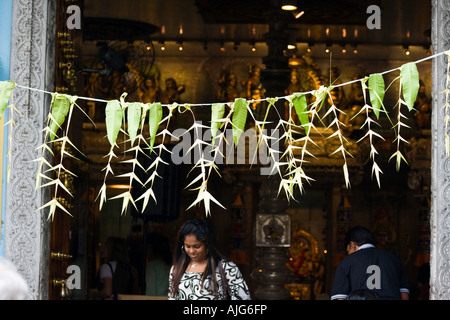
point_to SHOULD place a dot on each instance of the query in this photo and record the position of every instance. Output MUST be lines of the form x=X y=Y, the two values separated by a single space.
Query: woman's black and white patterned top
x=191 y=288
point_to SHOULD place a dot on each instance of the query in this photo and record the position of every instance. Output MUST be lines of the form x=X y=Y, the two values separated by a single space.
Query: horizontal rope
x=258 y=100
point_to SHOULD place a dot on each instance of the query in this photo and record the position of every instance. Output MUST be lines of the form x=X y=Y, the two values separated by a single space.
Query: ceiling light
x=289 y=5
x=407 y=52
x=298 y=15
x=180 y=45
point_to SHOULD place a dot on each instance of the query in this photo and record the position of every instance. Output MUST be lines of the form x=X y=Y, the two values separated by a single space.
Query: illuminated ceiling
x=403 y=22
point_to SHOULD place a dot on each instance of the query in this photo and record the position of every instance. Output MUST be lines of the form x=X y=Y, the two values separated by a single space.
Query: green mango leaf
x=113 y=120
x=6 y=88
x=376 y=92
x=410 y=83
x=134 y=112
x=300 y=106
x=239 y=118
x=217 y=112
x=59 y=107
x=155 y=116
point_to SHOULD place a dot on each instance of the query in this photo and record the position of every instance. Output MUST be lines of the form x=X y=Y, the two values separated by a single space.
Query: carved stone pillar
x=273 y=228
x=32 y=65
x=440 y=162
x=273 y=238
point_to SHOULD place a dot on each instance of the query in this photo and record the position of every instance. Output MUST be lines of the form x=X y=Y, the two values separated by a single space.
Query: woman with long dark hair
x=200 y=270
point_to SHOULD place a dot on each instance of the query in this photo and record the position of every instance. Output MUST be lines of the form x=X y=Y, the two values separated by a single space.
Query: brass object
x=65 y=291
x=65 y=65
x=60 y=256
x=61 y=89
x=63 y=34
x=299 y=291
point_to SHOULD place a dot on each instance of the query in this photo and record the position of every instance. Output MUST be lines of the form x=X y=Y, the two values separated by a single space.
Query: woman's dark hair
x=203 y=232
x=360 y=235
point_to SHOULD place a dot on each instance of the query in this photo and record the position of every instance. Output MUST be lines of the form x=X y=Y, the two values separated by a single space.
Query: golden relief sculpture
x=251 y=89
x=305 y=76
x=227 y=90
x=351 y=106
x=306 y=264
x=294 y=86
x=149 y=91
x=254 y=90
x=172 y=92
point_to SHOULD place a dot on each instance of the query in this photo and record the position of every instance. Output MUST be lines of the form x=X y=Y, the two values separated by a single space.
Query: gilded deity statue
x=227 y=90
x=254 y=90
x=351 y=107
x=172 y=92
x=294 y=86
x=149 y=92
x=337 y=94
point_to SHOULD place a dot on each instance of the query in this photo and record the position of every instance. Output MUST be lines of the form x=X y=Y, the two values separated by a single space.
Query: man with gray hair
x=12 y=285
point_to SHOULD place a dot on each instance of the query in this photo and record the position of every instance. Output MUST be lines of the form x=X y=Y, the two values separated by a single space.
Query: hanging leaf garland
x=113 y=120
x=154 y=119
x=136 y=113
x=301 y=109
x=410 y=83
x=61 y=107
x=376 y=92
x=217 y=112
x=408 y=88
x=6 y=88
x=239 y=118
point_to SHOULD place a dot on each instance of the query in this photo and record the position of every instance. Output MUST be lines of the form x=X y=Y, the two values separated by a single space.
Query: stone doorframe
x=32 y=65
x=440 y=162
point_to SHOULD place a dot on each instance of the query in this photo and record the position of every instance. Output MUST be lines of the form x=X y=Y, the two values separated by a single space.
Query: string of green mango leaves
x=292 y=176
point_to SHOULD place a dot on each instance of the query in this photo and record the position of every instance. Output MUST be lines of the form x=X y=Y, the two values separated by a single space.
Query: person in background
x=368 y=268
x=158 y=266
x=116 y=276
x=200 y=270
x=12 y=285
